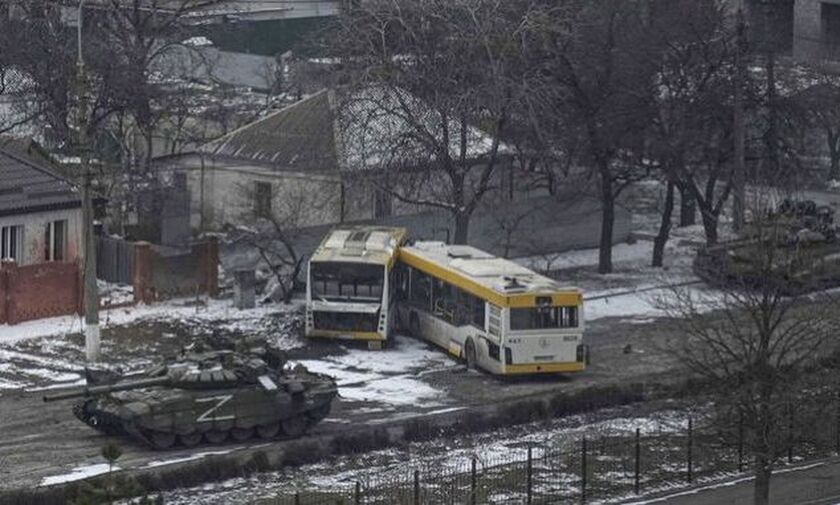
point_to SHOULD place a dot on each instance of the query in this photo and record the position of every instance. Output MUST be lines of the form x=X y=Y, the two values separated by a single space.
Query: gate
x=115 y=260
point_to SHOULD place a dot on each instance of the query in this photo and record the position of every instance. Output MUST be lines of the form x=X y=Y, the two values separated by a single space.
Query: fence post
x=790 y=434
x=358 y=495
x=741 y=441
x=837 y=429
x=690 y=444
x=530 y=474
x=142 y=272
x=583 y=471
x=416 y=487
x=473 y=483
x=638 y=466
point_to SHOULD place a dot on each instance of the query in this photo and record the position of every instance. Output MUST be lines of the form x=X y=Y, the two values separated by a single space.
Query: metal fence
x=114 y=260
x=590 y=469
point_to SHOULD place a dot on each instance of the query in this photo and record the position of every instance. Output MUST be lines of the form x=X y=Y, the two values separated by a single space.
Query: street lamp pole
x=91 y=294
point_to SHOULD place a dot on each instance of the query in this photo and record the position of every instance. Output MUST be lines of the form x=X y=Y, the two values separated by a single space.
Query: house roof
x=297 y=137
x=27 y=186
x=371 y=128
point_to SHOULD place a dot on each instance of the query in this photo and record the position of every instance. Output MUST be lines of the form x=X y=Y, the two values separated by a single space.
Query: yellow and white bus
x=349 y=292
x=490 y=312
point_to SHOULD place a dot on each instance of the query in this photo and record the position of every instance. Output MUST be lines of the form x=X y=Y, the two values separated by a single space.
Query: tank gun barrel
x=113 y=388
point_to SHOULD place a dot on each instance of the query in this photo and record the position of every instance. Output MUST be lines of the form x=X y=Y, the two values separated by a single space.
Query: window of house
x=381 y=204
x=11 y=243
x=262 y=199
x=55 y=241
x=179 y=181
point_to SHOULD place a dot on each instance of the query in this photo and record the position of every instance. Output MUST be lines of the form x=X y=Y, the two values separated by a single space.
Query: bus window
x=421 y=290
x=444 y=300
x=538 y=318
x=347 y=281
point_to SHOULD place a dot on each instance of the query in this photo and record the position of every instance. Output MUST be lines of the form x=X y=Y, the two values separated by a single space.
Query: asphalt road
x=39 y=440
x=811 y=484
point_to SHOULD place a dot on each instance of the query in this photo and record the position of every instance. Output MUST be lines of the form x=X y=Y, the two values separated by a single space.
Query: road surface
x=810 y=484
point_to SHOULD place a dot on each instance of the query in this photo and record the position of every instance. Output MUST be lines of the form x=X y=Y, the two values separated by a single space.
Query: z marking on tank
x=203 y=418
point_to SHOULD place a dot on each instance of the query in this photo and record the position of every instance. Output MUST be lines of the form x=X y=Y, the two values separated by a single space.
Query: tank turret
x=205 y=398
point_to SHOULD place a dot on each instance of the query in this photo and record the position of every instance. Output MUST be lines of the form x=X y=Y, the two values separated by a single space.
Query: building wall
x=34 y=226
x=809 y=31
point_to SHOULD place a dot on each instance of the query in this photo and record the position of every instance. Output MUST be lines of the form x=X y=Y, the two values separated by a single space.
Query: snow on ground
x=78 y=473
x=210 y=311
x=191 y=457
x=585 y=257
x=432 y=457
x=49 y=353
x=391 y=376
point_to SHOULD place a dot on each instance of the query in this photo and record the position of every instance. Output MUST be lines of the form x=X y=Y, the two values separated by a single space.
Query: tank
x=208 y=398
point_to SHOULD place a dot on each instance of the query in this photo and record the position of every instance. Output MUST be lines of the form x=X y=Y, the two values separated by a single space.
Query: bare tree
x=278 y=223
x=756 y=337
x=595 y=95
x=444 y=76
x=689 y=134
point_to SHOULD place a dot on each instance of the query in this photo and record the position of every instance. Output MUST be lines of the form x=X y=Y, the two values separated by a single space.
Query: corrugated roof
x=298 y=137
x=28 y=187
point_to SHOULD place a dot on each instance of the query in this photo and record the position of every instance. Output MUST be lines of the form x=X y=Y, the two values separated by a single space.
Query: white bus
x=349 y=294
x=490 y=312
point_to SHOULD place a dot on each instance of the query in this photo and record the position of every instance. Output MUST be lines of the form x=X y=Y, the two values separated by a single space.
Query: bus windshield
x=344 y=281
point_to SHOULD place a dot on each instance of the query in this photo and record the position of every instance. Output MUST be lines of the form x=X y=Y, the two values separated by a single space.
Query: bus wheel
x=469 y=354
x=414 y=325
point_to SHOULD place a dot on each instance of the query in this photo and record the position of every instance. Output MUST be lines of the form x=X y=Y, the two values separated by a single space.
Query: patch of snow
x=78 y=473
x=390 y=376
x=213 y=311
x=585 y=257
x=198 y=42
x=198 y=455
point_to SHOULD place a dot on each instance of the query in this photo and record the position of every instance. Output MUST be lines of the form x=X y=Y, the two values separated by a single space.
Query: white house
x=40 y=212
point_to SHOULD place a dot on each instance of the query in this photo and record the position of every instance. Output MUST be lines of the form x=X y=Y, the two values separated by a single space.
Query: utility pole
x=739 y=129
x=91 y=294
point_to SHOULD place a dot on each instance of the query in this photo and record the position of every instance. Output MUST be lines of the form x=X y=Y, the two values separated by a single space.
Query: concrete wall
x=809 y=43
x=34 y=226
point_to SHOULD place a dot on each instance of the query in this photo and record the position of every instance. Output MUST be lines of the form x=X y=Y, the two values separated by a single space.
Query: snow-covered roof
x=472 y=269
x=361 y=244
x=382 y=127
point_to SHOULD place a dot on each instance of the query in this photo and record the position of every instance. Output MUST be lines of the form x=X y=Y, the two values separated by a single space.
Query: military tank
x=207 y=397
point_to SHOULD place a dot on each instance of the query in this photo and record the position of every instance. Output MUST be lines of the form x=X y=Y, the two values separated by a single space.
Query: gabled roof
x=297 y=137
x=26 y=186
x=374 y=128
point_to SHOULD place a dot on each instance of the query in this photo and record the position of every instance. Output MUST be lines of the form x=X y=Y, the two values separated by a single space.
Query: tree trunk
x=664 y=227
x=710 y=226
x=462 y=228
x=688 y=208
x=605 y=265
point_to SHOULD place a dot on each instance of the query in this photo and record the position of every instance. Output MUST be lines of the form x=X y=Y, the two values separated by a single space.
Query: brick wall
x=38 y=291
